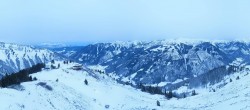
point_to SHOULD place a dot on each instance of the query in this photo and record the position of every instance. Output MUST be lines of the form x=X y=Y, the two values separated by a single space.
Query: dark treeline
x=21 y=76
x=163 y=91
x=211 y=77
x=151 y=89
x=157 y=90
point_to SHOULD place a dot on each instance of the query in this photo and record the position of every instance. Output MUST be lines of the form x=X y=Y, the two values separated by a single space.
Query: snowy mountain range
x=218 y=72
x=14 y=57
x=163 y=62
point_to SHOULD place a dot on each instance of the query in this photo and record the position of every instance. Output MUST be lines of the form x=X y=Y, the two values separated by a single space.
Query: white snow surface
x=70 y=93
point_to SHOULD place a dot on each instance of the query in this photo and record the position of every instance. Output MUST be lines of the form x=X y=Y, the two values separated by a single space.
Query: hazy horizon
x=83 y=43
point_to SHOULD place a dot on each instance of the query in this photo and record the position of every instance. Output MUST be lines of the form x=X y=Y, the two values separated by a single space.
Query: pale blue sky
x=111 y=20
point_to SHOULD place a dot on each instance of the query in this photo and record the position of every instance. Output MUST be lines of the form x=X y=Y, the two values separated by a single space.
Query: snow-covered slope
x=70 y=93
x=233 y=96
x=14 y=57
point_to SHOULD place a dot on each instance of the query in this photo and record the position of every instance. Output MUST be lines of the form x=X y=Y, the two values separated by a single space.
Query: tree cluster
x=67 y=61
x=193 y=93
x=151 y=89
x=53 y=67
x=100 y=71
x=211 y=77
x=159 y=90
x=53 y=61
x=169 y=94
x=21 y=76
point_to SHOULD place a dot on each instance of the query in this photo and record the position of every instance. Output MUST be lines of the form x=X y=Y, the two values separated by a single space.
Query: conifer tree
x=184 y=95
x=158 y=103
x=193 y=93
x=237 y=78
x=86 y=82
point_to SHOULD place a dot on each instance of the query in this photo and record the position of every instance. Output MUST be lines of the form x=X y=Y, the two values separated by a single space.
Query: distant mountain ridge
x=58 y=45
x=159 y=61
x=14 y=57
